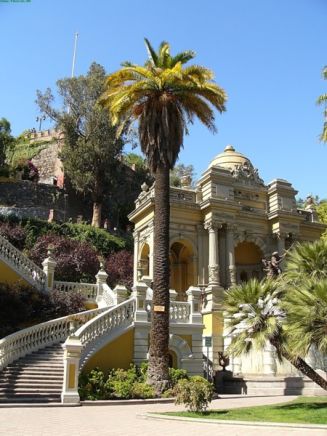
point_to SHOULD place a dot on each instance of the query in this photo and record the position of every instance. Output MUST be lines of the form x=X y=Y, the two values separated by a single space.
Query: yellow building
x=219 y=233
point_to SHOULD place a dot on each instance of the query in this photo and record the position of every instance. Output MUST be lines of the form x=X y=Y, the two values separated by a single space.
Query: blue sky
x=267 y=54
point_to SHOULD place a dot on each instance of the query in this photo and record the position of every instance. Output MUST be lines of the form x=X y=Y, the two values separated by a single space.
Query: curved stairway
x=35 y=378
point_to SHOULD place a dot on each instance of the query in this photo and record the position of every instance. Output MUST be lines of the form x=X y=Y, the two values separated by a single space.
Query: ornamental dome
x=230 y=159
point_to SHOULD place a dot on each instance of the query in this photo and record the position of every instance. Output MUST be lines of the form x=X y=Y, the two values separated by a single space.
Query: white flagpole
x=74 y=54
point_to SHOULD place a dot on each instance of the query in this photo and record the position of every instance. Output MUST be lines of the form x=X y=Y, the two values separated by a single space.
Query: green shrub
x=142 y=390
x=92 y=386
x=121 y=389
x=177 y=374
x=195 y=393
x=100 y=239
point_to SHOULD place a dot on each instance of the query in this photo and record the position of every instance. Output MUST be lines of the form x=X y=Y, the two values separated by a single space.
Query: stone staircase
x=35 y=378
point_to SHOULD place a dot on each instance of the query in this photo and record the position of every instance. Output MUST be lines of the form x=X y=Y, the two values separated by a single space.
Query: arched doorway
x=248 y=261
x=144 y=259
x=182 y=268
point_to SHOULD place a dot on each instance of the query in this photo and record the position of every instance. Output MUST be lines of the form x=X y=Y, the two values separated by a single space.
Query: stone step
x=35 y=371
x=27 y=383
x=45 y=365
x=28 y=399
x=30 y=390
x=33 y=377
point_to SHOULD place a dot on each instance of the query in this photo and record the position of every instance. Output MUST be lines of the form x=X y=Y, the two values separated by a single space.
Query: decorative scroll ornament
x=246 y=173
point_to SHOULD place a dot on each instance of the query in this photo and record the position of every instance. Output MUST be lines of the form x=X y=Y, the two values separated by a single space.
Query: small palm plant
x=256 y=317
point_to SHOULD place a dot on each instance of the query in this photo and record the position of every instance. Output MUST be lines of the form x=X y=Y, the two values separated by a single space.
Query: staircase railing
x=22 y=264
x=88 y=290
x=97 y=330
x=33 y=338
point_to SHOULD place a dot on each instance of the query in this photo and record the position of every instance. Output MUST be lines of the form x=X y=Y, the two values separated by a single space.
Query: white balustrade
x=106 y=323
x=22 y=264
x=88 y=290
x=179 y=312
x=26 y=341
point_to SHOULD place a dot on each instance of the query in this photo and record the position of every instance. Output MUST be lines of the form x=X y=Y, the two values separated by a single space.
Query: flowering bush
x=119 y=267
x=15 y=234
x=76 y=261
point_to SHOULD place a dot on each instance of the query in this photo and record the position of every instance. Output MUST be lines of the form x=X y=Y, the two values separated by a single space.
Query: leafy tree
x=163 y=96
x=256 y=317
x=91 y=145
x=322 y=99
x=180 y=171
x=6 y=140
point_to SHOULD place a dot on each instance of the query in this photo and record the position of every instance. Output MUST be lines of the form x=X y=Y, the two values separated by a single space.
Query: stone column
x=281 y=247
x=72 y=353
x=136 y=255
x=213 y=267
x=269 y=362
x=49 y=266
x=231 y=254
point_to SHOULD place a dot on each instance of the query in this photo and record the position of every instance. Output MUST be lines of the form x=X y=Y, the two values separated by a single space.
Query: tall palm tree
x=163 y=96
x=322 y=99
x=255 y=317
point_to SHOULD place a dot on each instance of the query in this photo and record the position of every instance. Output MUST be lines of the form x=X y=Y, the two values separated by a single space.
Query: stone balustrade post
x=121 y=294
x=194 y=299
x=49 y=266
x=139 y=293
x=72 y=353
x=101 y=279
x=172 y=294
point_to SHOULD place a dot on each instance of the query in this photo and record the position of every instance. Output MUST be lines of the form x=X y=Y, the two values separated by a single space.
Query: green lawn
x=305 y=410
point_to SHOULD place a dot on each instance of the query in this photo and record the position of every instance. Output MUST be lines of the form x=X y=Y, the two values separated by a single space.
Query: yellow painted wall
x=116 y=354
x=213 y=324
x=7 y=275
x=247 y=253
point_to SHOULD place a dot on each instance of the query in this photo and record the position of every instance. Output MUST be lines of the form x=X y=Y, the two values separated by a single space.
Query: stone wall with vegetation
x=27 y=199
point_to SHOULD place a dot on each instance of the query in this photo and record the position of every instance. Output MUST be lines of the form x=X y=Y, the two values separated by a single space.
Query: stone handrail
x=107 y=323
x=33 y=338
x=88 y=290
x=179 y=311
x=22 y=264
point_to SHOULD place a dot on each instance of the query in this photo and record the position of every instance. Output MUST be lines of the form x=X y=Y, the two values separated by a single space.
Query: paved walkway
x=127 y=420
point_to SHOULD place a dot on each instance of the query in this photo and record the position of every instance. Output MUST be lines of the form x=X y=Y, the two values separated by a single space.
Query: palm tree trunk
x=158 y=374
x=96 y=217
x=301 y=365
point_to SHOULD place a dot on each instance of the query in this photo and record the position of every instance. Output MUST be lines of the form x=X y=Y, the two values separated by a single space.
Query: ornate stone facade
x=222 y=229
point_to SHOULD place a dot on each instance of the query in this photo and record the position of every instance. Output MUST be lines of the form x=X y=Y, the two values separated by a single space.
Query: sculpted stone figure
x=271 y=266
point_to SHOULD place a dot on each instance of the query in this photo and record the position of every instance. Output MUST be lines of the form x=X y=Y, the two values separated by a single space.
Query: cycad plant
x=164 y=96
x=256 y=316
x=306 y=261
x=305 y=303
